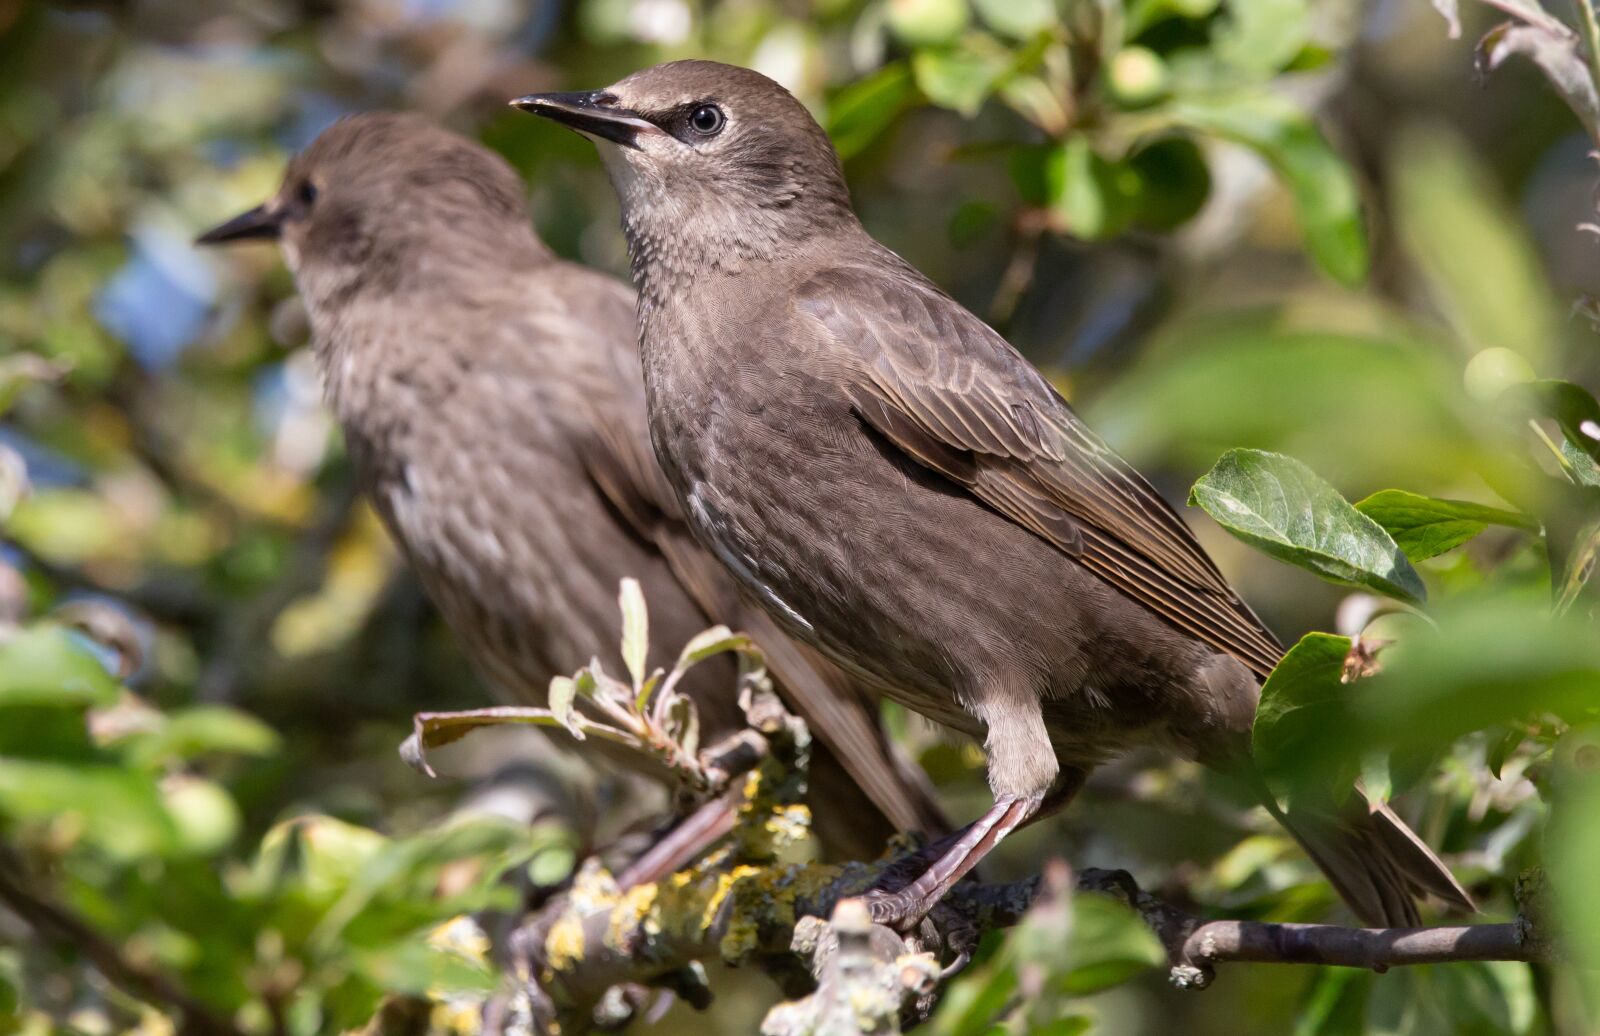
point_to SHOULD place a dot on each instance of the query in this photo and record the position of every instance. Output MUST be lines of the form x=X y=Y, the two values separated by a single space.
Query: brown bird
x=903 y=490
x=492 y=402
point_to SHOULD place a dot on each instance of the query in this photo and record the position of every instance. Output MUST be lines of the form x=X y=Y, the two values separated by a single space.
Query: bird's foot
x=901 y=911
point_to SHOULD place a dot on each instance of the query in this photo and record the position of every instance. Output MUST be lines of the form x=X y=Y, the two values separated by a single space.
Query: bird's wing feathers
x=952 y=394
x=616 y=453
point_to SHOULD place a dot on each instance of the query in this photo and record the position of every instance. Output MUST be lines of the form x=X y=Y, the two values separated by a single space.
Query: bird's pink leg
x=965 y=848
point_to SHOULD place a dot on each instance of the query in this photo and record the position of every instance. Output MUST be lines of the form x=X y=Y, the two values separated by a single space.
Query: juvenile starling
x=900 y=488
x=492 y=402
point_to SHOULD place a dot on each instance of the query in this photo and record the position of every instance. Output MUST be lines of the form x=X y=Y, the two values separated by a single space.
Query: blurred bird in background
x=491 y=399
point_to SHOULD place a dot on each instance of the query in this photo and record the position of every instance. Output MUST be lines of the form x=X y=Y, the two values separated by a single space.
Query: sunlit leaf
x=927 y=23
x=1322 y=185
x=118 y=810
x=1260 y=37
x=1279 y=506
x=200 y=730
x=563 y=690
x=635 y=630
x=963 y=75
x=1481 y=262
x=1426 y=527
x=49 y=665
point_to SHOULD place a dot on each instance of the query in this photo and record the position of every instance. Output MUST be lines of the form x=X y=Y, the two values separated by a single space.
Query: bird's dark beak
x=596 y=114
x=259 y=222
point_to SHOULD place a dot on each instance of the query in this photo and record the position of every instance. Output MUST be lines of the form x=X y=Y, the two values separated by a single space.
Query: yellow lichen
x=564 y=943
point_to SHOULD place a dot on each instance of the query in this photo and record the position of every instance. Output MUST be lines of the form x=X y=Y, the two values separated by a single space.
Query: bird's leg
x=1024 y=776
x=910 y=904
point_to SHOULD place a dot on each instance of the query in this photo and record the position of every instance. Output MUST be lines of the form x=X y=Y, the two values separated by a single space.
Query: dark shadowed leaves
x=1556 y=51
x=1425 y=527
x=1280 y=507
x=1572 y=408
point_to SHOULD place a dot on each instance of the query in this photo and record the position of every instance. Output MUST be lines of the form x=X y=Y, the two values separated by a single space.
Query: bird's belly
x=912 y=584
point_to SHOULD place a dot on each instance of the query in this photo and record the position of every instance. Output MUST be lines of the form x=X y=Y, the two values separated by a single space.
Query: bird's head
x=705 y=151
x=381 y=200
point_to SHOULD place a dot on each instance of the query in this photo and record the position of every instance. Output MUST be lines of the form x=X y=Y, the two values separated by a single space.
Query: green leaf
x=118 y=810
x=1473 y=245
x=1303 y=698
x=713 y=641
x=1144 y=13
x=1094 y=199
x=203 y=813
x=962 y=76
x=1573 y=408
x=1323 y=187
x=1018 y=19
x=635 y=630
x=1259 y=38
x=1109 y=945
x=49 y=665
x=1426 y=527
x=201 y=730
x=1497 y=661
x=927 y=23
x=1585 y=470
x=862 y=111
x=1280 y=507
x=563 y=690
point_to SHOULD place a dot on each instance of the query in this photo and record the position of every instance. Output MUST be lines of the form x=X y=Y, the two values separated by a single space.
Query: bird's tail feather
x=1377 y=864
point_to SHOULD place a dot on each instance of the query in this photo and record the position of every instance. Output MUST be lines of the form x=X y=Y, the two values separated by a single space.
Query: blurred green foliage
x=1264 y=225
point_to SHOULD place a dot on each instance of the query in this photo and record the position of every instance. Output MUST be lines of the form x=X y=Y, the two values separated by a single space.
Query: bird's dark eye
x=707 y=120
x=306 y=193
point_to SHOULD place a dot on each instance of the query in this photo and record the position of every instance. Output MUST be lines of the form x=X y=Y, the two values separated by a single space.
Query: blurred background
x=1316 y=228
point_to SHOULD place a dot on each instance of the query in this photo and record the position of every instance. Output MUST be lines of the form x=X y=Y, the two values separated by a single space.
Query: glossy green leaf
x=1280 y=507
x=1323 y=187
x=1426 y=527
x=1584 y=468
x=49 y=665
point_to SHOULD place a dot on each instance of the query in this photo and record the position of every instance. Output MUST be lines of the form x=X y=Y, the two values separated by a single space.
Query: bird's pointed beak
x=259 y=222
x=596 y=114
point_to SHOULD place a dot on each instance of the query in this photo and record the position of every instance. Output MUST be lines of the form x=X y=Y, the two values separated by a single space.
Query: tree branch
x=56 y=924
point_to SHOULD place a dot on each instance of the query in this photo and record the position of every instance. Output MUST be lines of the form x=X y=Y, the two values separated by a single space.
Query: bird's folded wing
x=956 y=397
x=619 y=461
